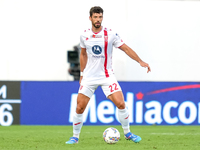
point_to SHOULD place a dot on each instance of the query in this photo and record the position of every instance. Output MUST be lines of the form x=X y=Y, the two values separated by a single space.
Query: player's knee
x=121 y=105
x=79 y=109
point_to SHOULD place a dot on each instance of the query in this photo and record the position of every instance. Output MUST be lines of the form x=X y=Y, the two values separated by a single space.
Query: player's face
x=96 y=19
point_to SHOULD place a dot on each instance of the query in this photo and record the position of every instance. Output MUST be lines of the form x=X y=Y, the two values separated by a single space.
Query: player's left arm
x=132 y=54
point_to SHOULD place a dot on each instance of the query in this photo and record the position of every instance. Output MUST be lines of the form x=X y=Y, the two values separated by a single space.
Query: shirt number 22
x=113 y=87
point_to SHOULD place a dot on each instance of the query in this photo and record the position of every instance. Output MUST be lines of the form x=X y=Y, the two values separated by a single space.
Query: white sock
x=77 y=124
x=123 y=116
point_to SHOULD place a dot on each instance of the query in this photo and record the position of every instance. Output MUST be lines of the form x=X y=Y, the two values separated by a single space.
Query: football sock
x=123 y=116
x=77 y=124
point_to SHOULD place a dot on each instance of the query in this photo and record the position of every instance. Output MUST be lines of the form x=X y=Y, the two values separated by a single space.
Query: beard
x=97 y=26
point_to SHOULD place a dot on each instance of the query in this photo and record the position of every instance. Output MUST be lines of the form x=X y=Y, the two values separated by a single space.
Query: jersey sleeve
x=118 y=42
x=82 y=44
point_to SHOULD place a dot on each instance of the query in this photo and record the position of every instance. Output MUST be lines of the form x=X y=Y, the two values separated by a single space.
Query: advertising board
x=54 y=103
x=162 y=103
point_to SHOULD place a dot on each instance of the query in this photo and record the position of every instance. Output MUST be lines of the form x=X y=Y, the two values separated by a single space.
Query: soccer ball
x=111 y=135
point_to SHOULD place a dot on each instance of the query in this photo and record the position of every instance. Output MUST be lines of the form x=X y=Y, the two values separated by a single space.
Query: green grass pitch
x=91 y=138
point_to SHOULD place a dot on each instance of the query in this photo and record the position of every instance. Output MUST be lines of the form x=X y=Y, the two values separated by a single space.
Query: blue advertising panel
x=162 y=103
x=46 y=103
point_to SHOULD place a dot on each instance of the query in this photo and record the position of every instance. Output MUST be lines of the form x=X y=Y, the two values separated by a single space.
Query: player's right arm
x=132 y=54
x=83 y=61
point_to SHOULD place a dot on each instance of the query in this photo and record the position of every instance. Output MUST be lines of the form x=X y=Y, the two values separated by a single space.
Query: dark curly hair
x=96 y=9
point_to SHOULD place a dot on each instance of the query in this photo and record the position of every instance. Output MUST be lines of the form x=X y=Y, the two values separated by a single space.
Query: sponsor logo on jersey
x=97 y=49
x=98 y=56
x=96 y=36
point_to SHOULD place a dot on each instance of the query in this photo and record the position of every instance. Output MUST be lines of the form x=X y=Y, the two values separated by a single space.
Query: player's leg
x=118 y=99
x=123 y=115
x=84 y=95
x=82 y=102
x=113 y=91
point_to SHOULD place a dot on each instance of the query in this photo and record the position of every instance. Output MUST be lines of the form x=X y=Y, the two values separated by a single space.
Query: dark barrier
x=53 y=103
x=9 y=103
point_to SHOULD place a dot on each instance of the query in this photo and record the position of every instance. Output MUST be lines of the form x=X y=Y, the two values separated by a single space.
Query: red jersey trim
x=105 y=51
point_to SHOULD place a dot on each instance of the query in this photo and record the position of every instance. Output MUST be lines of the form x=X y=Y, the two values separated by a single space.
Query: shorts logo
x=81 y=87
x=96 y=49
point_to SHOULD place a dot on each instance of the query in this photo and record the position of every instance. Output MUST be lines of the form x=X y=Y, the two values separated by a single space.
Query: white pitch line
x=175 y=133
x=181 y=134
x=10 y=101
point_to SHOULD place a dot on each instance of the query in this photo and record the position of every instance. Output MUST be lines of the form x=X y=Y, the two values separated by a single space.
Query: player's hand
x=145 y=65
x=81 y=77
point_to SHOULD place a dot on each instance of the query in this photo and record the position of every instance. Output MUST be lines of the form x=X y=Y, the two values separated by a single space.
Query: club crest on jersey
x=96 y=49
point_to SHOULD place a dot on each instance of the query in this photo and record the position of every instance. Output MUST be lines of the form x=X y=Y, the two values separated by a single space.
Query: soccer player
x=96 y=70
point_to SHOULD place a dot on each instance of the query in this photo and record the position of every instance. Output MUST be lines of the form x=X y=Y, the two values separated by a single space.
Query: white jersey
x=99 y=47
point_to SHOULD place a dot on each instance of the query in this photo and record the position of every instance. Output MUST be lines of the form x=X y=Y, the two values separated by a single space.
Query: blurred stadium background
x=36 y=38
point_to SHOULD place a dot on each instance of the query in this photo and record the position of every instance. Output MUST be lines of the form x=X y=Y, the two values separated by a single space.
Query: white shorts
x=109 y=86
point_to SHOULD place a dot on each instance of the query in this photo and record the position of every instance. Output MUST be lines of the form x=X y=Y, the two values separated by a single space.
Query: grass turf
x=54 y=138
